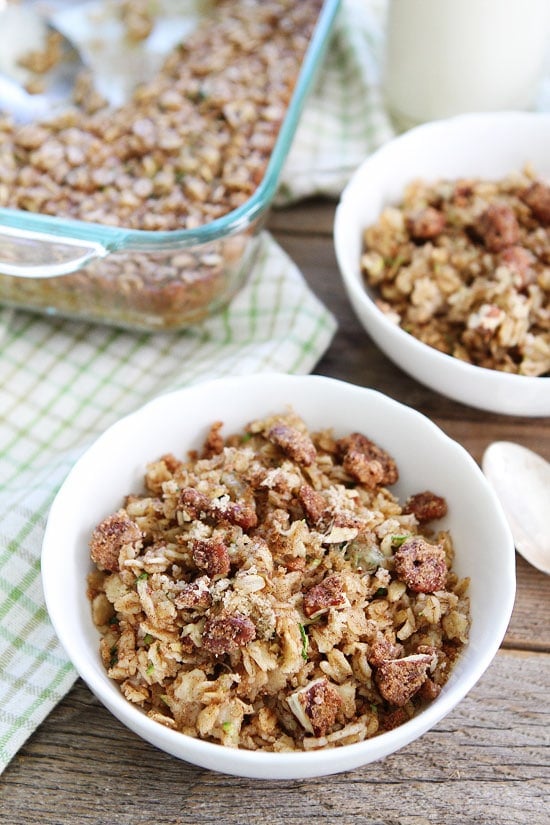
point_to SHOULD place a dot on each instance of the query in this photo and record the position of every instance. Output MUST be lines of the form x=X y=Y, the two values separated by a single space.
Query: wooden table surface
x=487 y=762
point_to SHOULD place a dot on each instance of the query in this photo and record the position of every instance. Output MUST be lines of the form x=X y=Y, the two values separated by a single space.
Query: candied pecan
x=521 y=262
x=393 y=719
x=194 y=595
x=187 y=644
x=421 y=565
x=109 y=537
x=424 y=224
x=537 y=198
x=497 y=226
x=211 y=555
x=242 y=515
x=366 y=461
x=293 y=562
x=197 y=504
x=316 y=706
x=321 y=597
x=313 y=502
x=226 y=632
x=214 y=442
x=429 y=690
x=298 y=446
x=382 y=650
x=426 y=506
x=194 y=502
x=399 y=679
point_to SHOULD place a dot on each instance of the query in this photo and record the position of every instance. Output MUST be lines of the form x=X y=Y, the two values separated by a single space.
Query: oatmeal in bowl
x=293 y=592
x=443 y=243
x=271 y=592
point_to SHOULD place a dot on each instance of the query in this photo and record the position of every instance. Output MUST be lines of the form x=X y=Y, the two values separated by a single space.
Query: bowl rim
x=351 y=275
x=240 y=762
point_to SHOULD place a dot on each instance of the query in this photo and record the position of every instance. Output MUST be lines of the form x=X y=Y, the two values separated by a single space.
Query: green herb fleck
x=150 y=669
x=142 y=577
x=227 y=726
x=114 y=620
x=164 y=698
x=147 y=639
x=398 y=540
x=305 y=641
x=114 y=656
x=382 y=591
x=374 y=707
x=246 y=437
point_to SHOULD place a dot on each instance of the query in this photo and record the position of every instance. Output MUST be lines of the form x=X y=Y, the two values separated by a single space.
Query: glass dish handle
x=27 y=254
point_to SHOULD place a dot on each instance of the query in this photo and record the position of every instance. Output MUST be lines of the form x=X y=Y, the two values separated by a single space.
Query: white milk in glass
x=446 y=57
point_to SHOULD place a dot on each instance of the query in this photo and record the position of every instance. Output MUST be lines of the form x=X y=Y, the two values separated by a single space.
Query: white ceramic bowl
x=484 y=145
x=427 y=459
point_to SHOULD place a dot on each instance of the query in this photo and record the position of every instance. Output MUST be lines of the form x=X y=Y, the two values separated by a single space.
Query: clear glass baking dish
x=148 y=279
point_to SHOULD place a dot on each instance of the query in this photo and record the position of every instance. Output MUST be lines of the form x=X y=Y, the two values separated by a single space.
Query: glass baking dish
x=151 y=279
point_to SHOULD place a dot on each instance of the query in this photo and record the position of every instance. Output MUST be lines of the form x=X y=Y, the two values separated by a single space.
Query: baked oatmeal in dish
x=464 y=266
x=269 y=592
x=191 y=146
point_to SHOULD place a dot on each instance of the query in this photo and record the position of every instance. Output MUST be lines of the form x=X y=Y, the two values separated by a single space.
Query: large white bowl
x=427 y=459
x=483 y=145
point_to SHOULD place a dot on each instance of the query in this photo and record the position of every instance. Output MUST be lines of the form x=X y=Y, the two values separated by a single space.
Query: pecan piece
x=399 y=679
x=429 y=690
x=382 y=650
x=426 y=506
x=109 y=537
x=298 y=446
x=521 y=262
x=394 y=719
x=421 y=565
x=321 y=597
x=314 y=504
x=226 y=632
x=537 y=198
x=424 y=224
x=194 y=502
x=194 y=595
x=198 y=504
x=497 y=227
x=366 y=461
x=316 y=706
x=211 y=555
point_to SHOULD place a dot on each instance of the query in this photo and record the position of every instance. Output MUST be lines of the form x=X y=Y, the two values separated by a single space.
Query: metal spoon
x=521 y=480
x=23 y=31
x=92 y=37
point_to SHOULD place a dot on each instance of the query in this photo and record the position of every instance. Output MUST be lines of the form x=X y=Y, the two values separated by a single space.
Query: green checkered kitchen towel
x=63 y=382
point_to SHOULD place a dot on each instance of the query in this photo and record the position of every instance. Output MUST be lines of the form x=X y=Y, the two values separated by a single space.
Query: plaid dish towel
x=62 y=383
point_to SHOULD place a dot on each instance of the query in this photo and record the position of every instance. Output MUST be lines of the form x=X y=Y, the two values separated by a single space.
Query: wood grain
x=487 y=762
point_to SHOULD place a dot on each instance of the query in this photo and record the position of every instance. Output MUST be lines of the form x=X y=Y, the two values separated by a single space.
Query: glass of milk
x=446 y=57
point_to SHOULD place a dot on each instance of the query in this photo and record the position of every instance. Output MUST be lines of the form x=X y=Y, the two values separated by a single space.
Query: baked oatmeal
x=190 y=146
x=464 y=266
x=270 y=592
